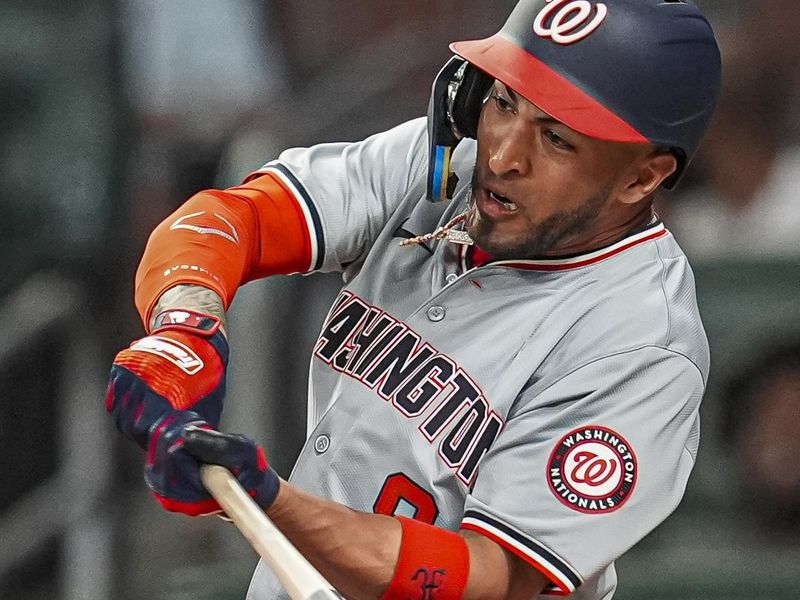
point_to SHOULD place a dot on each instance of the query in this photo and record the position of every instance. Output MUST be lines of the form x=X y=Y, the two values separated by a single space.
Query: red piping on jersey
x=562 y=589
x=576 y=262
x=302 y=204
x=479 y=256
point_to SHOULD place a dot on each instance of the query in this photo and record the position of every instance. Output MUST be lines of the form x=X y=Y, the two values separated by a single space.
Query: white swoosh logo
x=233 y=236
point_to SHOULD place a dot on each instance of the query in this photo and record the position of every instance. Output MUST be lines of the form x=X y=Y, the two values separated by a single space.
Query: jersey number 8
x=397 y=489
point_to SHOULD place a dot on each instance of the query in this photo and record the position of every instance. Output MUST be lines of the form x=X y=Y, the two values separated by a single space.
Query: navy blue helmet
x=636 y=71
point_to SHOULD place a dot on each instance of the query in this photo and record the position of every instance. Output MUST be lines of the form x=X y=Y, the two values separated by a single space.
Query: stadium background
x=113 y=112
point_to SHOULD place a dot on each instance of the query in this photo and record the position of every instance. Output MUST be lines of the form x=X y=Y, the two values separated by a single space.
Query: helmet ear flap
x=468 y=101
x=453 y=112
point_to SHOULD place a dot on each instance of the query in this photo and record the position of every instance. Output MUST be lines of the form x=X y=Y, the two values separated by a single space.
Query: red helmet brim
x=545 y=88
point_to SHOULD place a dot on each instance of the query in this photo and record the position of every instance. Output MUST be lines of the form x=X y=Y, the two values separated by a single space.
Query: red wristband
x=432 y=563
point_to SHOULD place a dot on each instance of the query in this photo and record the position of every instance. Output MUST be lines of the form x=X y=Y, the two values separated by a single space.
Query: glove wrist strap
x=196 y=323
x=187 y=320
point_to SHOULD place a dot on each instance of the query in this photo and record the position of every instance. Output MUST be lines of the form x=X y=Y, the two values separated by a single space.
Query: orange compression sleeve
x=223 y=239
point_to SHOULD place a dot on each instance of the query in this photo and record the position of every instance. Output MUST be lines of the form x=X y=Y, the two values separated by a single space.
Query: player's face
x=541 y=188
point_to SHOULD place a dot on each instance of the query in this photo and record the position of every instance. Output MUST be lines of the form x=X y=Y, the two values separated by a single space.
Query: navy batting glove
x=172 y=473
x=179 y=367
x=237 y=453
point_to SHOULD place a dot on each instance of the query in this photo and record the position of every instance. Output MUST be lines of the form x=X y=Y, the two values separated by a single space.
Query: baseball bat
x=298 y=577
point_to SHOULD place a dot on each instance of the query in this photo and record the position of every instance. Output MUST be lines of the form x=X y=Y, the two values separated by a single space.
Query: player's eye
x=556 y=140
x=502 y=104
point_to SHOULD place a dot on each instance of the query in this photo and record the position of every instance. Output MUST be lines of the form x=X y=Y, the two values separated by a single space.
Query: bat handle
x=301 y=580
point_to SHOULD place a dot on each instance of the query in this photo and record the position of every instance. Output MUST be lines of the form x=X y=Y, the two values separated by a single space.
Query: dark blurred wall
x=61 y=155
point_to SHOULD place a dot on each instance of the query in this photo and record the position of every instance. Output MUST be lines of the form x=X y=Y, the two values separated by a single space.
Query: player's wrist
x=194 y=323
x=189 y=297
x=283 y=502
x=186 y=319
x=268 y=491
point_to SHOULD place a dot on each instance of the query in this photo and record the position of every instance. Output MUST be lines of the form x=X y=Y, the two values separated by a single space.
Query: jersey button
x=436 y=313
x=322 y=443
x=451 y=278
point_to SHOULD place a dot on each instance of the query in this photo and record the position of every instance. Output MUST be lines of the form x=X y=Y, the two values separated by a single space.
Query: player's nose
x=511 y=153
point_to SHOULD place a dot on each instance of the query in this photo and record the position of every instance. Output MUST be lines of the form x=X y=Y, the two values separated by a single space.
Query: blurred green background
x=114 y=112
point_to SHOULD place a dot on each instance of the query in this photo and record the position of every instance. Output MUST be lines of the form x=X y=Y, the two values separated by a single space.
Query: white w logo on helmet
x=570 y=20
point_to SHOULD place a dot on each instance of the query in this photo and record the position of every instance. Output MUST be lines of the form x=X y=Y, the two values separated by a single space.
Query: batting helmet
x=637 y=71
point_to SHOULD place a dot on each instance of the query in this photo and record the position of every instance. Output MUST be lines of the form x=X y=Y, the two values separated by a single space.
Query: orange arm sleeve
x=223 y=239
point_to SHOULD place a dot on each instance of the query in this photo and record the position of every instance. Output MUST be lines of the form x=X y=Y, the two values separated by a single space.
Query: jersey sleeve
x=348 y=191
x=587 y=467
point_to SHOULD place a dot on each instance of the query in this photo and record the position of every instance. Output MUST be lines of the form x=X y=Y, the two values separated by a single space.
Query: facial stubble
x=556 y=231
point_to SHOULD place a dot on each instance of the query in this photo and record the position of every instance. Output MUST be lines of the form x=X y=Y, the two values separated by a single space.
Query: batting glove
x=237 y=453
x=163 y=381
x=181 y=443
x=180 y=366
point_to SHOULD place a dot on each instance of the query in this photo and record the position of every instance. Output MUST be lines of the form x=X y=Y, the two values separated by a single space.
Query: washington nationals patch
x=592 y=470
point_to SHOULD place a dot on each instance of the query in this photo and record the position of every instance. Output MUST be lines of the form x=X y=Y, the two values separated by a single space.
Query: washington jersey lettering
x=550 y=405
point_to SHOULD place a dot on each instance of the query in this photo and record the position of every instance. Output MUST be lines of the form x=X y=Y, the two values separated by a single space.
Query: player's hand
x=181 y=442
x=237 y=453
x=180 y=366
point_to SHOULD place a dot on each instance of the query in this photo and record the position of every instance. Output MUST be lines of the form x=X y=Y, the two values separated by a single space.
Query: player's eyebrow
x=548 y=120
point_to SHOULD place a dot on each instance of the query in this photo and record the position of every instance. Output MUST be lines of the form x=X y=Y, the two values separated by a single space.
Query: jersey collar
x=652 y=231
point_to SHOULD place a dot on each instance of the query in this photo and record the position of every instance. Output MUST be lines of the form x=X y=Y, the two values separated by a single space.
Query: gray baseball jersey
x=551 y=405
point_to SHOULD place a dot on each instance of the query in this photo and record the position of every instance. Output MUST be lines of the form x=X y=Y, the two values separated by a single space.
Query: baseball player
x=504 y=397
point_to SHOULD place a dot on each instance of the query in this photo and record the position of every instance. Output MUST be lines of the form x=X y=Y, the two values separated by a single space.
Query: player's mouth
x=494 y=204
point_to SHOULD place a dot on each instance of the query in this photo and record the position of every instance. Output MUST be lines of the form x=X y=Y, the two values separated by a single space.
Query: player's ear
x=646 y=173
